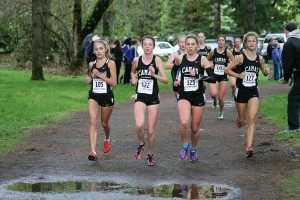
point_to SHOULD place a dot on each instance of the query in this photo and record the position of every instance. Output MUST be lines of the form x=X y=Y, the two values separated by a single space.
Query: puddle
x=192 y=191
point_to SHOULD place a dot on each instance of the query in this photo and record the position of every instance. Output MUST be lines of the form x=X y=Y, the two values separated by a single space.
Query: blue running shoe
x=194 y=157
x=183 y=153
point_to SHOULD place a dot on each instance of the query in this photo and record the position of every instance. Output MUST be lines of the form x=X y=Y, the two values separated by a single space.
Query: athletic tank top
x=178 y=71
x=99 y=86
x=220 y=61
x=190 y=84
x=204 y=52
x=146 y=83
x=237 y=53
x=251 y=69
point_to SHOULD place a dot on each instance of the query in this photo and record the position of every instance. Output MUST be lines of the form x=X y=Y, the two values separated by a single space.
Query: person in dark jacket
x=291 y=69
x=127 y=62
x=270 y=48
x=116 y=51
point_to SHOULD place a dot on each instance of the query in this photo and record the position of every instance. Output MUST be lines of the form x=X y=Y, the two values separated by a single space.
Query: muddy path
x=59 y=153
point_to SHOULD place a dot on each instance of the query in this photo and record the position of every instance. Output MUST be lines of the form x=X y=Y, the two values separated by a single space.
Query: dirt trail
x=60 y=151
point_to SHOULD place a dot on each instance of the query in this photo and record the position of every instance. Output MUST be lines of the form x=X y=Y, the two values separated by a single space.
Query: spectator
x=127 y=64
x=116 y=51
x=89 y=50
x=276 y=57
x=270 y=48
x=291 y=68
x=130 y=55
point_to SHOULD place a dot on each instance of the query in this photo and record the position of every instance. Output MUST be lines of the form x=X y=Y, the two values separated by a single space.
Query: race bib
x=99 y=86
x=190 y=84
x=219 y=69
x=249 y=79
x=145 y=86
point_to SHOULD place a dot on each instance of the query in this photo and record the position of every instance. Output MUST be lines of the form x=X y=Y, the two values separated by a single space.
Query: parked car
x=230 y=42
x=162 y=49
x=260 y=45
x=212 y=43
x=280 y=37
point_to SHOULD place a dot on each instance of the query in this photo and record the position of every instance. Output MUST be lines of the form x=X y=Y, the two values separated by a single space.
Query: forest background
x=37 y=34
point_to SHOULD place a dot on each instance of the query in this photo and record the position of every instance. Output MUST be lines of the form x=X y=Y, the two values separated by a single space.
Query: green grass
x=274 y=108
x=26 y=104
x=290 y=186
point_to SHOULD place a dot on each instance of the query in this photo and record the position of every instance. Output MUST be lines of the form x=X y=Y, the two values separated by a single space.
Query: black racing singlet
x=204 y=52
x=188 y=83
x=99 y=86
x=146 y=83
x=220 y=61
x=251 y=69
x=237 y=53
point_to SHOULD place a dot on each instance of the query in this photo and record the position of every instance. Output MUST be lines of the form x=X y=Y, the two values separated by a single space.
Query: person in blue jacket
x=276 y=57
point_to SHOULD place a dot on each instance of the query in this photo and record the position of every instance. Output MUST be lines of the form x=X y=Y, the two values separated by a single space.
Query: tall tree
x=249 y=24
x=37 y=41
x=217 y=23
x=46 y=13
x=79 y=31
x=76 y=61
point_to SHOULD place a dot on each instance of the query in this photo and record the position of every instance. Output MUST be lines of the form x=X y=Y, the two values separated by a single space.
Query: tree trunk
x=249 y=16
x=80 y=33
x=76 y=59
x=37 y=41
x=217 y=24
x=108 y=21
x=46 y=7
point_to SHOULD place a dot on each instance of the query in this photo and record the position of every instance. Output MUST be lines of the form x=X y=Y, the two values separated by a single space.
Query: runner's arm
x=170 y=61
x=211 y=76
x=133 y=71
x=229 y=69
x=163 y=76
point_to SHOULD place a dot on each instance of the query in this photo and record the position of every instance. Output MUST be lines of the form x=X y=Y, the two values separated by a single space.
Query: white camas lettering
x=188 y=69
x=220 y=60
x=144 y=72
x=251 y=68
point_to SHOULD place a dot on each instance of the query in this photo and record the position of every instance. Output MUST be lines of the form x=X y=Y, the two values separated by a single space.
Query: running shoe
x=150 y=159
x=92 y=156
x=139 y=152
x=106 y=146
x=184 y=190
x=214 y=106
x=193 y=156
x=289 y=131
x=183 y=153
x=221 y=116
x=249 y=152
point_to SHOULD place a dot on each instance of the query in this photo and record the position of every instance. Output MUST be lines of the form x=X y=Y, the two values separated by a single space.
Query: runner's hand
x=176 y=83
